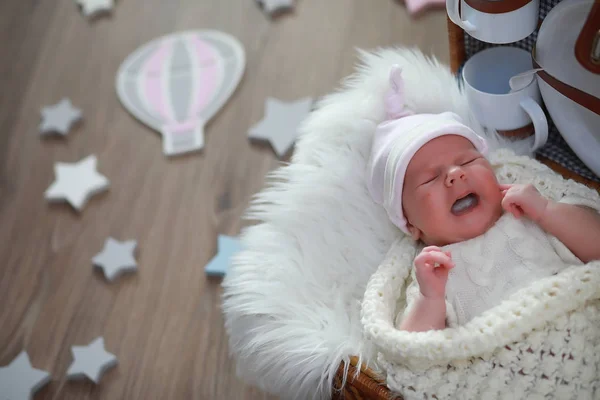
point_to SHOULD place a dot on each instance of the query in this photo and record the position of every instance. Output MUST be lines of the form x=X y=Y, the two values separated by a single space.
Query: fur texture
x=292 y=296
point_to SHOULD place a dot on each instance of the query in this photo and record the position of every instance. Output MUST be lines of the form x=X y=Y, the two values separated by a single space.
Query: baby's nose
x=454 y=174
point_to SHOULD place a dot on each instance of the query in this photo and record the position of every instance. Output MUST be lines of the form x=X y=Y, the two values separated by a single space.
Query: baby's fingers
x=440 y=258
x=512 y=207
x=505 y=186
x=429 y=249
x=441 y=273
x=435 y=249
x=516 y=211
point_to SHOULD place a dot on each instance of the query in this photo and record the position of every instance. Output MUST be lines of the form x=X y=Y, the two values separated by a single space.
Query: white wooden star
x=116 y=258
x=276 y=6
x=93 y=7
x=76 y=182
x=19 y=380
x=91 y=361
x=59 y=118
x=281 y=122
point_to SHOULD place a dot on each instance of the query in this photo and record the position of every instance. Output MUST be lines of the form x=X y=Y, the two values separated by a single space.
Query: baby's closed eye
x=430 y=179
x=470 y=160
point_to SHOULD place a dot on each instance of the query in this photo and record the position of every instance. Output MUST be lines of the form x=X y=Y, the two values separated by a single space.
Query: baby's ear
x=415 y=232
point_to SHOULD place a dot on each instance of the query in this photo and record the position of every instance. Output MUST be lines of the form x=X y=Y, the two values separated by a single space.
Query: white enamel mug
x=486 y=77
x=495 y=21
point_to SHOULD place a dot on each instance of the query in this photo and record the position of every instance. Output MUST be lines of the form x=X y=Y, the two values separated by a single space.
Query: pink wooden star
x=416 y=6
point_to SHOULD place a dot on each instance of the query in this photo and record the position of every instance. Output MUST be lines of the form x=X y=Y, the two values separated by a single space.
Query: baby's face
x=450 y=192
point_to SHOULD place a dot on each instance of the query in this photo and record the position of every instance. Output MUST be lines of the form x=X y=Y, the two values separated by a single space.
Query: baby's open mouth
x=465 y=204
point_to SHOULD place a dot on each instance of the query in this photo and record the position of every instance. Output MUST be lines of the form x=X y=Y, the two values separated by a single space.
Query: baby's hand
x=522 y=200
x=432 y=279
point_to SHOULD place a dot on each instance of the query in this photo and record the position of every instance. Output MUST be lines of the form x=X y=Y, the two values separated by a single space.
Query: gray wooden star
x=59 y=118
x=92 y=7
x=19 y=380
x=116 y=258
x=91 y=361
x=281 y=122
x=76 y=182
x=276 y=6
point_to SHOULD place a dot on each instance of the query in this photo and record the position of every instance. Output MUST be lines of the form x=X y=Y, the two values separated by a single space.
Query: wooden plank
x=164 y=323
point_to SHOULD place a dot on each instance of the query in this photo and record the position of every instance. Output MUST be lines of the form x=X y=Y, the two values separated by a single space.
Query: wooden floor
x=164 y=323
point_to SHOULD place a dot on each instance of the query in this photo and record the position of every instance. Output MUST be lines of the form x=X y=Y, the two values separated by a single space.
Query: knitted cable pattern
x=542 y=342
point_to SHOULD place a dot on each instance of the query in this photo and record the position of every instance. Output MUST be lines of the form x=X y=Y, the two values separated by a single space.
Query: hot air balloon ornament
x=176 y=83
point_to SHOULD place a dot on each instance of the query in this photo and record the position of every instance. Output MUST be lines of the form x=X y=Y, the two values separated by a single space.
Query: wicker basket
x=367 y=385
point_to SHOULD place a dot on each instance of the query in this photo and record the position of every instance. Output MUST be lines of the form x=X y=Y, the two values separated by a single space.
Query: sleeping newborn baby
x=481 y=240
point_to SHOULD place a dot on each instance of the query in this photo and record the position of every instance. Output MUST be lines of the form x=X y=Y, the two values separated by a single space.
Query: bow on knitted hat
x=397 y=139
x=394 y=98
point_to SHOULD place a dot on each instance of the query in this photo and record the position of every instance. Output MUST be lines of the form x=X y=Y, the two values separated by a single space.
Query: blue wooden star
x=227 y=246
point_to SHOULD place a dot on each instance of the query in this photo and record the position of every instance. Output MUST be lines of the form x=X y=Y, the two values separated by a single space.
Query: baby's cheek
x=426 y=199
x=413 y=207
x=427 y=204
x=430 y=200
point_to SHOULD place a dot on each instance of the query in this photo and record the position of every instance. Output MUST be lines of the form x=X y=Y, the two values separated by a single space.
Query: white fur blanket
x=542 y=342
x=292 y=296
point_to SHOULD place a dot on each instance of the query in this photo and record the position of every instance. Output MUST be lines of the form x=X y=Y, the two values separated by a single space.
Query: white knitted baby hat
x=396 y=141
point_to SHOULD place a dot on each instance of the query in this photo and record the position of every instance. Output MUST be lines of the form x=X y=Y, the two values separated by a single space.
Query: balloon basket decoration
x=176 y=83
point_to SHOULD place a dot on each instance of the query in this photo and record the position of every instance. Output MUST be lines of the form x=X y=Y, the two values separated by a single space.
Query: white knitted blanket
x=543 y=342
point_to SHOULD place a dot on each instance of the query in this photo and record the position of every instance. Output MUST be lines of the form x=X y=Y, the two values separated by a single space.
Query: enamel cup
x=495 y=21
x=486 y=77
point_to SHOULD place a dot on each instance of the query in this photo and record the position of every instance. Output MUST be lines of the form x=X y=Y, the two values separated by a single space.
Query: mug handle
x=587 y=46
x=452 y=10
x=540 y=123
